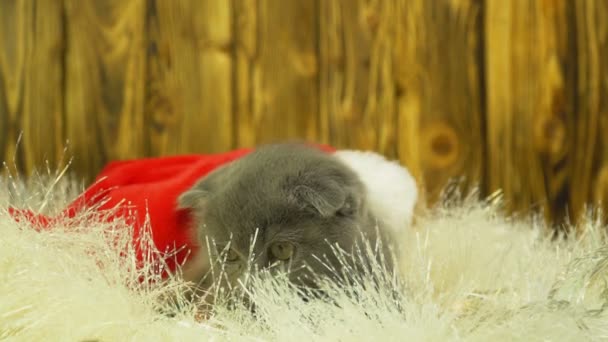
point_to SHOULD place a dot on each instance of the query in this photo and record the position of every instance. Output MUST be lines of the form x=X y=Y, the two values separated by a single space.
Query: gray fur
x=285 y=192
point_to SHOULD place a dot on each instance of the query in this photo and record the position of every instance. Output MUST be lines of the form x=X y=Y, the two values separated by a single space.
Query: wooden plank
x=439 y=77
x=280 y=99
x=13 y=20
x=348 y=102
x=245 y=18
x=189 y=100
x=530 y=103
x=105 y=81
x=31 y=90
x=590 y=143
x=42 y=116
x=556 y=101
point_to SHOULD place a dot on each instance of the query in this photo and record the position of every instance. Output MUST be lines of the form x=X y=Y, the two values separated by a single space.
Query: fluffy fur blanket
x=466 y=273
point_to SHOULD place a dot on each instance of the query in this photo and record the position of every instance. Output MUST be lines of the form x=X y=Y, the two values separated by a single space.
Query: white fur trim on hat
x=392 y=191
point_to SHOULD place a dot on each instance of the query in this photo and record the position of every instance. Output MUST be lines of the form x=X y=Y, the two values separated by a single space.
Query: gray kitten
x=292 y=201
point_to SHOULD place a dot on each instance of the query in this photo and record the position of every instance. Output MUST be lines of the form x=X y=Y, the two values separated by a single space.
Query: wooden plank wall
x=509 y=95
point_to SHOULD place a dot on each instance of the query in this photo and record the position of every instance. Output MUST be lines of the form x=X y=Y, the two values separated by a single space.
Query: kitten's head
x=292 y=202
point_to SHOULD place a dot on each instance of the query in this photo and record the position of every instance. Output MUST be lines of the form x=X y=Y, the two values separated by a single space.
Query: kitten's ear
x=327 y=197
x=193 y=198
x=199 y=193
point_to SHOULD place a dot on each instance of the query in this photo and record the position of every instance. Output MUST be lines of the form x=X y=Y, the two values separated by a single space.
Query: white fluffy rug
x=466 y=274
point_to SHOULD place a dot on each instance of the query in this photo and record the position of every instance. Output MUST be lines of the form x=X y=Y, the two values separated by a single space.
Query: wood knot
x=441 y=145
x=550 y=136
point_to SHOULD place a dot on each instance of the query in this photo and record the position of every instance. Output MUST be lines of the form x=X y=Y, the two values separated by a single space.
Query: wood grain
x=189 y=99
x=556 y=98
x=245 y=19
x=530 y=101
x=105 y=64
x=31 y=87
x=13 y=20
x=280 y=65
x=346 y=39
x=590 y=145
x=438 y=68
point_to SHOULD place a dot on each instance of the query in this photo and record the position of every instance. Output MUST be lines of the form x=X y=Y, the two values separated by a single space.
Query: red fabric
x=135 y=188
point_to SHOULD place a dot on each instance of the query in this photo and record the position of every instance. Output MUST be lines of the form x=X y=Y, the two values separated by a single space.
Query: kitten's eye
x=231 y=255
x=282 y=250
